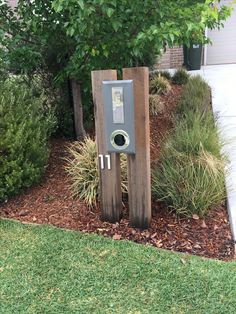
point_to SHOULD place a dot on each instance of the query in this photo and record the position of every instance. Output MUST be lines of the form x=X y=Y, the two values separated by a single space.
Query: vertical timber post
x=109 y=175
x=139 y=174
x=78 y=110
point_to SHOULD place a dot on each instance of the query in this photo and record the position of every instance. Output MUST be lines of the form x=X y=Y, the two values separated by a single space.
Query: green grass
x=48 y=270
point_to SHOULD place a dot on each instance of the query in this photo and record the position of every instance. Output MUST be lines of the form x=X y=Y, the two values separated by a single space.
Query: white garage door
x=223 y=49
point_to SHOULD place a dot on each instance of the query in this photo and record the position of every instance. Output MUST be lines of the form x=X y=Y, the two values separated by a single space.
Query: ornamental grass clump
x=195 y=132
x=156 y=106
x=159 y=85
x=196 y=96
x=188 y=184
x=189 y=176
x=166 y=74
x=82 y=169
x=180 y=77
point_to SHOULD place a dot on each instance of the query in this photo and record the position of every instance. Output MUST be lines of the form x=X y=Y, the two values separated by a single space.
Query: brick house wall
x=176 y=57
x=172 y=58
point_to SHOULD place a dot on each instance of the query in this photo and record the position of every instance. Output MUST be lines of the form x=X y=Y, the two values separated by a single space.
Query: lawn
x=49 y=270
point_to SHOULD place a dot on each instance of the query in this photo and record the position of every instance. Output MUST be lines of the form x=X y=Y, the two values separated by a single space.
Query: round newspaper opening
x=120 y=139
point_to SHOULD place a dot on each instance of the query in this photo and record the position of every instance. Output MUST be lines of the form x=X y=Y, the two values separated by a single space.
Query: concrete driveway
x=222 y=79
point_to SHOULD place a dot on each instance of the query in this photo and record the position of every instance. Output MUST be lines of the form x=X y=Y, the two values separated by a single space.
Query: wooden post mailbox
x=122 y=126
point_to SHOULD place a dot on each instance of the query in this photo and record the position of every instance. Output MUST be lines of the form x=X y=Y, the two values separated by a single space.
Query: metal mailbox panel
x=118 y=99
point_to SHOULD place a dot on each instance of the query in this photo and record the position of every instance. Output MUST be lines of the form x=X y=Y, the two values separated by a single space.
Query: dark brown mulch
x=51 y=202
x=161 y=124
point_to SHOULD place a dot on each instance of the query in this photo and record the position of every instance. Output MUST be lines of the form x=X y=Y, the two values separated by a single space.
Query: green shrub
x=57 y=97
x=196 y=96
x=156 y=106
x=159 y=85
x=189 y=185
x=83 y=170
x=25 y=126
x=180 y=77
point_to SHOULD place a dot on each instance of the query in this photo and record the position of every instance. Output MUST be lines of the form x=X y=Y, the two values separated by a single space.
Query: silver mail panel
x=118 y=100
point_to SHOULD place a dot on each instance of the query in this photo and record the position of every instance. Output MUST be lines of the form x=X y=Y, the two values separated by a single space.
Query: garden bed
x=51 y=203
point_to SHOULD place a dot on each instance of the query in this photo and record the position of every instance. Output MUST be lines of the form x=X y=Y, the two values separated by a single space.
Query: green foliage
x=3 y=72
x=196 y=96
x=159 y=85
x=58 y=99
x=34 y=43
x=180 y=77
x=195 y=132
x=140 y=27
x=25 y=126
x=72 y=37
x=147 y=58
x=189 y=184
x=67 y=39
x=156 y=106
x=189 y=177
x=166 y=74
x=64 y=114
x=83 y=170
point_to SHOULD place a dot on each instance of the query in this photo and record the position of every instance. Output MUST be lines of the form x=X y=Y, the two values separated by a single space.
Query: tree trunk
x=78 y=110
